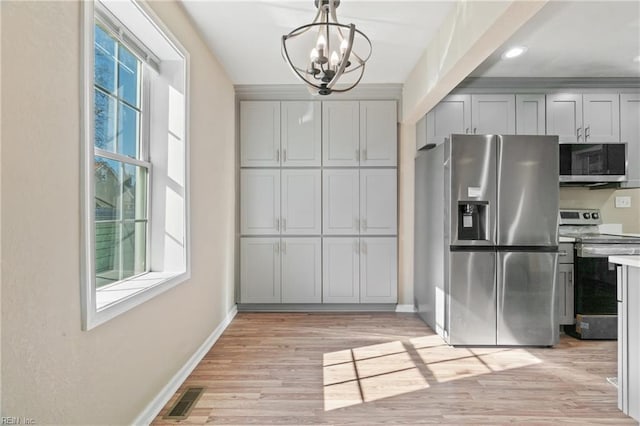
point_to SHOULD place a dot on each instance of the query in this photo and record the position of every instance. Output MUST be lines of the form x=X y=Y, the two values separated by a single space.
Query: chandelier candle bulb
x=334 y=60
x=343 y=46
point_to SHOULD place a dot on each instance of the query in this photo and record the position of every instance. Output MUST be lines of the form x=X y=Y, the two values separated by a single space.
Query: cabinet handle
x=587 y=132
x=278 y=155
x=474 y=130
x=357 y=154
x=284 y=155
x=466 y=130
x=578 y=131
x=570 y=280
x=277 y=223
x=562 y=253
x=276 y=247
x=284 y=247
x=284 y=224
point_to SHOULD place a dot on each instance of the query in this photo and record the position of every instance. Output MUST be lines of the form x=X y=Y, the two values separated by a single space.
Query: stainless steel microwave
x=593 y=162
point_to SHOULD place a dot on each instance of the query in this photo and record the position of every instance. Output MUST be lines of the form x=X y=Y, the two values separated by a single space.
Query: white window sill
x=117 y=298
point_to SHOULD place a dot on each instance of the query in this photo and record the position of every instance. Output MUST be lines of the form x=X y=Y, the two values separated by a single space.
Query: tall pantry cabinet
x=318 y=202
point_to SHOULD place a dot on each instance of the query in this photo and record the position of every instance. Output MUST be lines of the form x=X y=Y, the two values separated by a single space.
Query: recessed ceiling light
x=514 y=52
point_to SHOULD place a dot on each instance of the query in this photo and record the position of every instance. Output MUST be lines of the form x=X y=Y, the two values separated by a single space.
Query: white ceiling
x=565 y=39
x=574 y=39
x=245 y=35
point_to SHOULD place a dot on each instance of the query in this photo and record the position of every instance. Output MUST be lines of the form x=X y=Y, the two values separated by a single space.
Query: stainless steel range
x=595 y=303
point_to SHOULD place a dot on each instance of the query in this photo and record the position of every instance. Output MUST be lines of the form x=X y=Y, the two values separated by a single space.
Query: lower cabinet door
x=260 y=270
x=378 y=270
x=301 y=270
x=341 y=270
x=565 y=294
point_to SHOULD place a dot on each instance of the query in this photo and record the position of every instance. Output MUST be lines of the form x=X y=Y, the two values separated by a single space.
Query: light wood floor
x=367 y=369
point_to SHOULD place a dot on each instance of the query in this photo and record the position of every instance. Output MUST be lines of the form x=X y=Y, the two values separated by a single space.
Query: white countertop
x=626 y=260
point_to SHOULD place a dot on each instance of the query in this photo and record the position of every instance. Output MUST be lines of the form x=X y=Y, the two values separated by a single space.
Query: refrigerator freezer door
x=472 y=298
x=527 y=191
x=471 y=170
x=526 y=298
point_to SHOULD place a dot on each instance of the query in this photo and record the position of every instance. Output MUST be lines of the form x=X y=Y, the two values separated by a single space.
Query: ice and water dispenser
x=472 y=220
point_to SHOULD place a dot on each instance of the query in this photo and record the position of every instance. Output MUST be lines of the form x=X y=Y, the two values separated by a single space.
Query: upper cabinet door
x=301 y=198
x=564 y=117
x=530 y=119
x=630 y=133
x=493 y=114
x=601 y=117
x=301 y=134
x=340 y=202
x=340 y=133
x=378 y=133
x=301 y=270
x=451 y=115
x=259 y=202
x=378 y=202
x=259 y=134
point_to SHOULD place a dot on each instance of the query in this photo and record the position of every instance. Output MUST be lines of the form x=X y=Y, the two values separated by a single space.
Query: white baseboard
x=405 y=308
x=153 y=408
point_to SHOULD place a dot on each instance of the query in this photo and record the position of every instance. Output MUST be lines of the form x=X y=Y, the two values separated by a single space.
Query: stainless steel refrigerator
x=486 y=239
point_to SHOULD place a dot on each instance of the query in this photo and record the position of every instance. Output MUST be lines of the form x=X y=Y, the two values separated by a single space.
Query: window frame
x=145 y=286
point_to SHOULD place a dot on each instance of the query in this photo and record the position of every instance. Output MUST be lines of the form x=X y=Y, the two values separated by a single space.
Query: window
x=135 y=217
x=121 y=166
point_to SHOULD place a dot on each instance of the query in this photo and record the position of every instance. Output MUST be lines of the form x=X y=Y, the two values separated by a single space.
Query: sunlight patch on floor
x=369 y=373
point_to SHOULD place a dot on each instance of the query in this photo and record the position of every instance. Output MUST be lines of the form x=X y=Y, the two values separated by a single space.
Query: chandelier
x=333 y=53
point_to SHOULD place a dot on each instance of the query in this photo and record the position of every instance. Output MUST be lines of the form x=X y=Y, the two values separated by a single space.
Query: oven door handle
x=606 y=250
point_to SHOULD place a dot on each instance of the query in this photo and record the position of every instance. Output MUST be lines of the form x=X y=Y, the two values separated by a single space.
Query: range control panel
x=579 y=217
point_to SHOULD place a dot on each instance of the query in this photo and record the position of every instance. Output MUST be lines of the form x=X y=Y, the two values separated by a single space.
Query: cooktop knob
x=586 y=215
x=595 y=215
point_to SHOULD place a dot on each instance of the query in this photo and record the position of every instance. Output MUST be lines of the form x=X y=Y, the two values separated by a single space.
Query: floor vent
x=184 y=404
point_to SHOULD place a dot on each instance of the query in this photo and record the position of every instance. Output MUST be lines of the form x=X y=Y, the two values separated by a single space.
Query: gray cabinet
x=601 y=116
x=421 y=133
x=566 y=315
x=280 y=133
x=274 y=270
x=260 y=270
x=301 y=270
x=301 y=199
x=378 y=133
x=340 y=133
x=378 y=201
x=530 y=114
x=451 y=115
x=259 y=201
x=493 y=114
x=360 y=201
x=317 y=180
x=274 y=202
x=359 y=133
x=630 y=133
x=360 y=270
x=378 y=270
x=301 y=130
x=341 y=270
x=584 y=118
x=628 y=295
x=341 y=201
x=259 y=134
